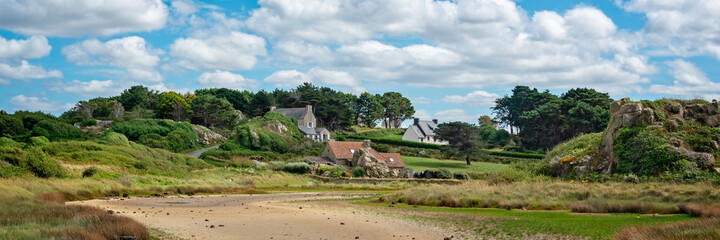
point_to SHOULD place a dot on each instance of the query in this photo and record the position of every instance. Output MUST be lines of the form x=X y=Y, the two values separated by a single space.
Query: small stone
x=212 y=226
x=342 y=223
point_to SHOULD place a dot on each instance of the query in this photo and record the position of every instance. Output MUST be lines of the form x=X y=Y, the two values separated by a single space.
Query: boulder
x=703 y=160
x=278 y=128
x=374 y=168
x=207 y=136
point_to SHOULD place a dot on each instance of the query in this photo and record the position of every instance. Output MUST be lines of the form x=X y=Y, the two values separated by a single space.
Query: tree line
x=220 y=107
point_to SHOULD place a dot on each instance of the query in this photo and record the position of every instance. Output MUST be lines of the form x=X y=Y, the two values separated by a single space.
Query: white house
x=422 y=131
x=306 y=122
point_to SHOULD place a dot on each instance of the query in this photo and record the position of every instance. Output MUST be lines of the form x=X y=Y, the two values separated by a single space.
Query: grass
x=515 y=224
x=420 y=164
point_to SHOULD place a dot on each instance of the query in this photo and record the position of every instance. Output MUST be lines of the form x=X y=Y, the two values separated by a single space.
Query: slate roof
x=424 y=128
x=342 y=151
x=320 y=160
x=308 y=130
x=292 y=112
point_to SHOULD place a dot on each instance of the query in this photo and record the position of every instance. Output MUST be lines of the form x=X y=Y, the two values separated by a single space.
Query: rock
x=240 y=115
x=713 y=121
x=374 y=168
x=278 y=128
x=714 y=145
x=703 y=160
x=206 y=136
x=127 y=238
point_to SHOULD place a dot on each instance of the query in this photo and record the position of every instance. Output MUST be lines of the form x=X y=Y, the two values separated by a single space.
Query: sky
x=450 y=58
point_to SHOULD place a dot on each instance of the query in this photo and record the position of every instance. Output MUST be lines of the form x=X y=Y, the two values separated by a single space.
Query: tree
x=397 y=109
x=260 y=104
x=85 y=108
x=139 y=96
x=369 y=109
x=172 y=106
x=460 y=135
x=117 y=109
x=240 y=100
x=211 y=111
x=487 y=120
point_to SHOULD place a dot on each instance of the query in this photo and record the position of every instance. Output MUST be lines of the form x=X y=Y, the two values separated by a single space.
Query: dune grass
x=420 y=164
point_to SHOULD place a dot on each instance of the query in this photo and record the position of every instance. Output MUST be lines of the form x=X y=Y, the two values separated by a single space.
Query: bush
x=7 y=142
x=228 y=146
x=323 y=168
x=89 y=172
x=631 y=178
x=576 y=147
x=153 y=140
x=42 y=165
x=358 y=172
x=136 y=128
x=39 y=141
x=461 y=176
x=645 y=151
x=89 y=122
x=113 y=138
x=296 y=167
x=54 y=130
x=443 y=174
x=178 y=141
x=11 y=125
x=255 y=134
x=338 y=173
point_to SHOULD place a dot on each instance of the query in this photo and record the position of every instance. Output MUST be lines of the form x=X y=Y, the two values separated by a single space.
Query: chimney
x=435 y=121
x=366 y=143
x=272 y=109
x=416 y=121
x=309 y=108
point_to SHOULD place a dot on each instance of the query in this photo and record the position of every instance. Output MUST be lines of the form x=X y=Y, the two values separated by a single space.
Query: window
x=392 y=160
x=352 y=151
x=310 y=124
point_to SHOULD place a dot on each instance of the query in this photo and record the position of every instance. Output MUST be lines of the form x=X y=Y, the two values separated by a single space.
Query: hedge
x=515 y=154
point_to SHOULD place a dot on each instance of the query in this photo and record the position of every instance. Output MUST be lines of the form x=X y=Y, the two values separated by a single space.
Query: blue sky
x=451 y=58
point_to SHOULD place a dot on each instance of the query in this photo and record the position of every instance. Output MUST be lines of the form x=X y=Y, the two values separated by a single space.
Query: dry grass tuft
x=701 y=210
x=701 y=229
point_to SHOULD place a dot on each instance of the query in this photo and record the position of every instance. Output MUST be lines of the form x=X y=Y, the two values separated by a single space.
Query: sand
x=263 y=216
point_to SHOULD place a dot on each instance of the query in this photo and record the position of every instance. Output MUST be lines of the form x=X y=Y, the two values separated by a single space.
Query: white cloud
x=476 y=98
x=302 y=52
x=689 y=81
x=680 y=27
x=92 y=88
x=452 y=115
x=293 y=78
x=82 y=17
x=32 y=103
x=131 y=53
x=420 y=100
x=227 y=80
x=33 y=47
x=422 y=114
x=26 y=71
x=235 y=51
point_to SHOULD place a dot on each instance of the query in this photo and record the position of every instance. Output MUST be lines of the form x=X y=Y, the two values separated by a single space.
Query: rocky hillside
x=646 y=138
x=271 y=132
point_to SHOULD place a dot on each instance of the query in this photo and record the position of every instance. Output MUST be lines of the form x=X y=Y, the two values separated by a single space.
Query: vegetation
x=576 y=148
x=420 y=164
x=271 y=132
x=211 y=111
x=157 y=133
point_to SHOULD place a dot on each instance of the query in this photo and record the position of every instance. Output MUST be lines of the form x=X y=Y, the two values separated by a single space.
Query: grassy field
x=420 y=164
x=516 y=224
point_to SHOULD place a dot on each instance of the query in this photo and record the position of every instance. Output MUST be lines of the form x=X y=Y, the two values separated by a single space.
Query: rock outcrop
x=374 y=168
x=207 y=136
x=626 y=114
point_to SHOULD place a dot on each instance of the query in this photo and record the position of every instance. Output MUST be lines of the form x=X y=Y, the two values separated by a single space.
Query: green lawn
x=518 y=224
x=420 y=164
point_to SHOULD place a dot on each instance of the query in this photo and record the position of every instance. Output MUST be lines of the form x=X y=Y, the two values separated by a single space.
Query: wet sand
x=263 y=216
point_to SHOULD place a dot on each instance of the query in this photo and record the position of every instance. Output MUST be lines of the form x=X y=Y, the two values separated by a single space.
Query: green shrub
x=631 y=178
x=113 y=138
x=229 y=146
x=296 y=167
x=11 y=126
x=42 y=165
x=323 y=168
x=7 y=142
x=153 y=140
x=645 y=151
x=89 y=172
x=39 y=141
x=136 y=128
x=178 y=141
x=54 y=130
x=338 y=173
x=461 y=176
x=9 y=170
x=358 y=172
x=89 y=122
x=254 y=133
x=576 y=147
x=443 y=174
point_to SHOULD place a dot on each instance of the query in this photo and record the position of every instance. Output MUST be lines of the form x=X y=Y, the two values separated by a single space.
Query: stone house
x=341 y=153
x=306 y=122
x=422 y=131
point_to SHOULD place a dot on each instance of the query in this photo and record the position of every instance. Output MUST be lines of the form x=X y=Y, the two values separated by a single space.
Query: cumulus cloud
x=235 y=51
x=26 y=71
x=681 y=27
x=302 y=52
x=227 y=80
x=476 y=98
x=420 y=100
x=130 y=53
x=455 y=115
x=33 y=47
x=82 y=17
x=689 y=81
x=32 y=103
x=92 y=88
x=293 y=78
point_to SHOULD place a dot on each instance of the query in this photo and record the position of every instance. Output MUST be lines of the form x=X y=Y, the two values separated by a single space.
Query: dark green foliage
x=7 y=142
x=89 y=172
x=11 y=125
x=293 y=167
x=211 y=111
x=113 y=138
x=172 y=105
x=29 y=119
x=461 y=176
x=543 y=120
x=369 y=109
x=462 y=136
x=55 y=130
x=397 y=108
x=260 y=104
x=396 y=142
x=229 y=146
x=515 y=154
x=358 y=172
x=42 y=165
x=166 y=134
x=89 y=122
x=645 y=151
x=138 y=96
x=443 y=174
x=39 y=141
x=240 y=100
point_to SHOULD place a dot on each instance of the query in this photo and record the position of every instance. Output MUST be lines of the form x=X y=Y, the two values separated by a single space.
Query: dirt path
x=267 y=216
x=199 y=152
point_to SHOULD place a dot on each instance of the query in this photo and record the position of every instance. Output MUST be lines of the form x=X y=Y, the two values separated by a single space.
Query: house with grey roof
x=422 y=131
x=306 y=122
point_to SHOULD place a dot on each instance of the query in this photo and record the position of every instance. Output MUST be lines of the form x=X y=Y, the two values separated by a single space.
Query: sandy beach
x=263 y=216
